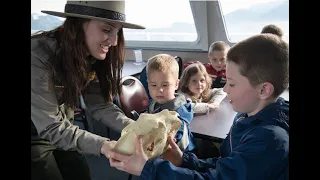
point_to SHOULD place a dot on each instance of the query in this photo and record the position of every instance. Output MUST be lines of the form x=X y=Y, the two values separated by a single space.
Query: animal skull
x=154 y=128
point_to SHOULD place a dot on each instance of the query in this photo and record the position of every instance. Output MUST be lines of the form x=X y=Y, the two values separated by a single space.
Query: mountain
x=253 y=19
x=280 y=13
x=271 y=11
x=47 y=22
x=44 y=22
x=246 y=20
x=177 y=27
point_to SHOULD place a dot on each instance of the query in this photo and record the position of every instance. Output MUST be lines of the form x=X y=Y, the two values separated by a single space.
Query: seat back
x=143 y=80
x=133 y=96
x=180 y=63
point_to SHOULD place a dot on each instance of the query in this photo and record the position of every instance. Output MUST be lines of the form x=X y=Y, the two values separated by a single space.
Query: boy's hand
x=173 y=154
x=132 y=164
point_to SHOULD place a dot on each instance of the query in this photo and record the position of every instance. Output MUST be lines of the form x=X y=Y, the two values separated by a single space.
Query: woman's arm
x=108 y=113
x=50 y=119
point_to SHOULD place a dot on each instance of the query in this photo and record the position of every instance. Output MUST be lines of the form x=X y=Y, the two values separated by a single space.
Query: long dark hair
x=70 y=64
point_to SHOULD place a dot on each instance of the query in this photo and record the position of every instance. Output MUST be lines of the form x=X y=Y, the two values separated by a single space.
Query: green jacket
x=52 y=120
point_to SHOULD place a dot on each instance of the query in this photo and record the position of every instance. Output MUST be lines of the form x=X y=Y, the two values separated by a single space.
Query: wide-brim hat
x=108 y=11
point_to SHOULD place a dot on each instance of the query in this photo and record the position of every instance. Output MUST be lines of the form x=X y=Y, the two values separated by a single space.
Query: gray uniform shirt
x=51 y=119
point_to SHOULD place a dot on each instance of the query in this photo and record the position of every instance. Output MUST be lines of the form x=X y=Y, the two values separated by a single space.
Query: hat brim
x=124 y=24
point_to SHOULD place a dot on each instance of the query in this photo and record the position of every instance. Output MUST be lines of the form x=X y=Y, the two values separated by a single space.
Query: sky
x=161 y=13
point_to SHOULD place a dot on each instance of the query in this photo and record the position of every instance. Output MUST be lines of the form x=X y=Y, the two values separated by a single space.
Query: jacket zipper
x=231 y=133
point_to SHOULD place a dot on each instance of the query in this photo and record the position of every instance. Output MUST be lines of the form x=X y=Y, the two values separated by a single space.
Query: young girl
x=195 y=84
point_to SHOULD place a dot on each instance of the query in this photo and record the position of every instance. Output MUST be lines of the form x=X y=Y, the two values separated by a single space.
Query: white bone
x=154 y=128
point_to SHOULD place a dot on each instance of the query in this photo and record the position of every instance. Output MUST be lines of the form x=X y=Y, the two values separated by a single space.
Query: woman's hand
x=106 y=147
x=173 y=154
x=131 y=164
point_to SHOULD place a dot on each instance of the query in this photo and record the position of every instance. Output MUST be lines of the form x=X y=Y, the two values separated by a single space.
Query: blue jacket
x=184 y=109
x=259 y=150
x=143 y=79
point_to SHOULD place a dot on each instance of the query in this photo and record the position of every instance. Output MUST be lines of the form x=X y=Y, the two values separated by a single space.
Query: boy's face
x=218 y=59
x=162 y=86
x=197 y=83
x=242 y=95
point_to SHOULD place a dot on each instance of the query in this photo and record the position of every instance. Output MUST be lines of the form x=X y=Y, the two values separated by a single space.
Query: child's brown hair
x=273 y=29
x=218 y=46
x=263 y=58
x=191 y=70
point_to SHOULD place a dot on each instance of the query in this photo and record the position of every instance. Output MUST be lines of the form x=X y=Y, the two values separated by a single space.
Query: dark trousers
x=48 y=162
x=206 y=149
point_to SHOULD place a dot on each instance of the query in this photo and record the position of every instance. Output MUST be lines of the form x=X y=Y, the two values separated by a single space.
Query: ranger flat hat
x=108 y=11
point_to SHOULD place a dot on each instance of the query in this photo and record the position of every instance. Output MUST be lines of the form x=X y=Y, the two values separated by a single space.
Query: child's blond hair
x=263 y=58
x=163 y=63
x=218 y=46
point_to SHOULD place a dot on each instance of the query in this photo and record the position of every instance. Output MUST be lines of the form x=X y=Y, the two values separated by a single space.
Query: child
x=273 y=29
x=143 y=75
x=216 y=68
x=195 y=84
x=162 y=75
x=257 y=146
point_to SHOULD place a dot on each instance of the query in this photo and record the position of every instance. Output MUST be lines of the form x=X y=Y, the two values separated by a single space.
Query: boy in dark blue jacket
x=162 y=74
x=257 y=146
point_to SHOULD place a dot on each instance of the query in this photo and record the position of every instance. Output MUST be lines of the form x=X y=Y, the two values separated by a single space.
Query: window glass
x=164 y=20
x=248 y=17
